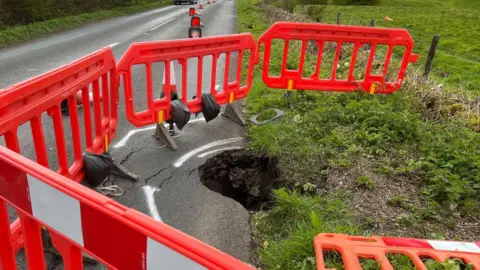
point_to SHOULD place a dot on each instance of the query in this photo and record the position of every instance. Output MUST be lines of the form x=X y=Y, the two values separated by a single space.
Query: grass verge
x=362 y=164
x=457 y=62
x=18 y=34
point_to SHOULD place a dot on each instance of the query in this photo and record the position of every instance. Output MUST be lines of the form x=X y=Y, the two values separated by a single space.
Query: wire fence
x=447 y=64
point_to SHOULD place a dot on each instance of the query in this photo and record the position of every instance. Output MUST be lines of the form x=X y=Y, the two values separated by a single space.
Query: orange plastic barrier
x=81 y=220
x=27 y=101
x=360 y=38
x=148 y=53
x=353 y=248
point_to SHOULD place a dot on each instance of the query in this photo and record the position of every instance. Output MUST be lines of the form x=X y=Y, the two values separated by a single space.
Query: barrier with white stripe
x=81 y=220
x=354 y=248
x=433 y=244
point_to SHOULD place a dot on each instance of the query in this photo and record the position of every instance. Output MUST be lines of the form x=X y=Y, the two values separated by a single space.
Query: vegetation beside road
x=400 y=165
x=16 y=34
x=457 y=63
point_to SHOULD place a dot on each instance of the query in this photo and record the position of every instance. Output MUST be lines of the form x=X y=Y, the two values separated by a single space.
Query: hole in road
x=242 y=176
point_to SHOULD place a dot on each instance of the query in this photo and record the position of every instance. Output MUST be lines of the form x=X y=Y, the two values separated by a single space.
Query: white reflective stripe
x=454 y=246
x=172 y=74
x=161 y=257
x=56 y=209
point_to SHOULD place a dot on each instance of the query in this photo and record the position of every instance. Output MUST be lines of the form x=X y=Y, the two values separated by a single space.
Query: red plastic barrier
x=354 y=248
x=27 y=101
x=81 y=220
x=362 y=38
x=148 y=53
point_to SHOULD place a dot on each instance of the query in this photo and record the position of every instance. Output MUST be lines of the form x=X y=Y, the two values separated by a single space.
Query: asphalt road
x=169 y=188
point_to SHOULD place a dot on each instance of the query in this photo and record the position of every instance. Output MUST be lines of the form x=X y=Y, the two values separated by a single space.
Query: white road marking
x=162 y=24
x=219 y=150
x=113 y=44
x=152 y=207
x=192 y=153
x=125 y=139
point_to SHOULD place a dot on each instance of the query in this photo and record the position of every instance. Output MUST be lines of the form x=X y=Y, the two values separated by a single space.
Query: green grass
x=457 y=62
x=286 y=231
x=387 y=135
x=14 y=35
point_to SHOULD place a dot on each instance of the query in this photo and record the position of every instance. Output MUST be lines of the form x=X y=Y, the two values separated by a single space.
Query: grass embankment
x=407 y=164
x=14 y=35
x=456 y=21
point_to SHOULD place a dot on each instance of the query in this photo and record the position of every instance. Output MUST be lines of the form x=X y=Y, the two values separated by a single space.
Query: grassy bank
x=457 y=62
x=401 y=165
x=14 y=35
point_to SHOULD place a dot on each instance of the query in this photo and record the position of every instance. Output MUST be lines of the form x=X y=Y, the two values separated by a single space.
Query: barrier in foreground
x=354 y=248
x=80 y=220
x=28 y=101
x=347 y=42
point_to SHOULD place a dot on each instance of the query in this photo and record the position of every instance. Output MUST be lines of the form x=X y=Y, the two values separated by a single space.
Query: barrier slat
x=81 y=219
x=362 y=38
x=148 y=53
x=7 y=255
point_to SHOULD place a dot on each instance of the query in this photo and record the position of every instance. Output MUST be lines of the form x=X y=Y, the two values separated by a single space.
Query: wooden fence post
x=431 y=55
x=339 y=15
x=373 y=23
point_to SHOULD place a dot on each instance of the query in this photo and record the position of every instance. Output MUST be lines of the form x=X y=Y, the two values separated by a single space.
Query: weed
x=366 y=182
x=448 y=264
x=400 y=262
x=406 y=220
x=401 y=201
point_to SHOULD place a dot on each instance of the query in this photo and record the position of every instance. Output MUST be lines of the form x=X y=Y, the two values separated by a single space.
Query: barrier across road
x=29 y=100
x=165 y=52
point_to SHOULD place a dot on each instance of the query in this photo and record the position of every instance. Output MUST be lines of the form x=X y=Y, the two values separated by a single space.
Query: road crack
x=166 y=179
x=144 y=142
x=157 y=173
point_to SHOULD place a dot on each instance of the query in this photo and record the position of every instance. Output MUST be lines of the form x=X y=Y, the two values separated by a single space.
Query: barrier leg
x=111 y=165
x=72 y=255
x=7 y=256
x=33 y=242
x=163 y=135
x=233 y=112
x=17 y=235
x=117 y=169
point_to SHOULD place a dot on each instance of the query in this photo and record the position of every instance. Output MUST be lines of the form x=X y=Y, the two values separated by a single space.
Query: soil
x=372 y=208
x=242 y=176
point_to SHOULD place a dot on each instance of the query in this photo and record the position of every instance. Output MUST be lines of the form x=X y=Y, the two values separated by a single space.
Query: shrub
x=366 y=182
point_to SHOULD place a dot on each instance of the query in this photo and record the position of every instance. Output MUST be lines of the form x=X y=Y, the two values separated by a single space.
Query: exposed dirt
x=407 y=218
x=242 y=176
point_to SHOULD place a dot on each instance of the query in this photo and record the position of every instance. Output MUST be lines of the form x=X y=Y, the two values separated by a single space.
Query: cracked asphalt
x=169 y=188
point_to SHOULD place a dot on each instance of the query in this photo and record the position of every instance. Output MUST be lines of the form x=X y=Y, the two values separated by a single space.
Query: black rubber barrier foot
x=97 y=167
x=163 y=135
x=233 y=112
